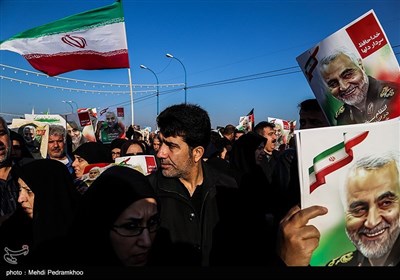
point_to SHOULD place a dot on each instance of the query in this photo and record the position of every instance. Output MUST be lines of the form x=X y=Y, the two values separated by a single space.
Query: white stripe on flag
x=101 y=39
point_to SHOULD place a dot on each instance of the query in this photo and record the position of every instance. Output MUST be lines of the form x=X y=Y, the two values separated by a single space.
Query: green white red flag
x=251 y=119
x=91 y=40
x=332 y=159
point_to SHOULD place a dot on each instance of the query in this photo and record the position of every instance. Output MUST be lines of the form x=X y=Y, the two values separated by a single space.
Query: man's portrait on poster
x=365 y=98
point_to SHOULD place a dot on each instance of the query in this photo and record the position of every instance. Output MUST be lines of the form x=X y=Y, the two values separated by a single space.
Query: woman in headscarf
x=85 y=154
x=19 y=150
x=117 y=221
x=115 y=147
x=134 y=147
x=257 y=196
x=47 y=203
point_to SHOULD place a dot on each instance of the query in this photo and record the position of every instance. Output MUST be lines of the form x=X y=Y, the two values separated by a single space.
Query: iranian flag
x=90 y=40
x=251 y=119
x=332 y=159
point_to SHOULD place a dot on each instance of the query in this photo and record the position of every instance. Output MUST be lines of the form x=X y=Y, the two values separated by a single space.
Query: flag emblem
x=74 y=41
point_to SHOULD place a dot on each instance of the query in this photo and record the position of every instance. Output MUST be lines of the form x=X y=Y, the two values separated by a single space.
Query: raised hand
x=297 y=240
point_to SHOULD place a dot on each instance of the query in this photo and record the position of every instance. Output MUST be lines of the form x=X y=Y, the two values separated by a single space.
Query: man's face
x=346 y=80
x=269 y=133
x=75 y=134
x=5 y=143
x=175 y=157
x=29 y=134
x=93 y=173
x=278 y=130
x=111 y=119
x=372 y=217
x=312 y=119
x=55 y=148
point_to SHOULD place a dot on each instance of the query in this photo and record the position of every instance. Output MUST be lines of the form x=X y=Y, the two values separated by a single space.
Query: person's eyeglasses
x=115 y=153
x=131 y=229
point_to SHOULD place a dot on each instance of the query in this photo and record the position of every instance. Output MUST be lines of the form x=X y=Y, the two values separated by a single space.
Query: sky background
x=238 y=55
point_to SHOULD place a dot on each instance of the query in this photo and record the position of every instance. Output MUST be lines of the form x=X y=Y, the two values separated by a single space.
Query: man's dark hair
x=189 y=121
x=228 y=129
x=310 y=105
x=261 y=125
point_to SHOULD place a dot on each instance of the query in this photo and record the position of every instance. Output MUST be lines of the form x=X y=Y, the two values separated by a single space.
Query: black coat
x=219 y=234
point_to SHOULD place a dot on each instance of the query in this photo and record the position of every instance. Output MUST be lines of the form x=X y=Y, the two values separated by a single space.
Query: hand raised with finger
x=297 y=240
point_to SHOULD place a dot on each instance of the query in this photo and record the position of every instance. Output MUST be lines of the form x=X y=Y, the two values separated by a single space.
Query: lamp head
x=169 y=55
x=142 y=66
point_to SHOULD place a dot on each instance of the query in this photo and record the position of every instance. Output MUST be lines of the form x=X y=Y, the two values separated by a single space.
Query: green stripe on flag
x=85 y=20
x=328 y=152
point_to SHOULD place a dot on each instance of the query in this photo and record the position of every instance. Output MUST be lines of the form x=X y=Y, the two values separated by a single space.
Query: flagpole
x=131 y=92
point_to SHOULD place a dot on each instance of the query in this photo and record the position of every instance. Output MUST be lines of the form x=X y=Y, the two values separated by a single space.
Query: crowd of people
x=218 y=198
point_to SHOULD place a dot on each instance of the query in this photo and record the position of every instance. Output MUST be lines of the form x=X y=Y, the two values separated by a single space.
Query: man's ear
x=198 y=153
x=360 y=64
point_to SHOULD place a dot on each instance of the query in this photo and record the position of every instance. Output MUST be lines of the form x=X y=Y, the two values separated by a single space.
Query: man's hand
x=297 y=240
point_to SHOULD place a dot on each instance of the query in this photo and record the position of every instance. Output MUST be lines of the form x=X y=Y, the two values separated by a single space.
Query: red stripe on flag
x=355 y=141
x=58 y=64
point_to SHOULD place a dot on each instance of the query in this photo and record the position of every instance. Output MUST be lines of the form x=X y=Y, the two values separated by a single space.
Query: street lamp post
x=158 y=93
x=72 y=110
x=69 y=103
x=184 y=69
x=76 y=104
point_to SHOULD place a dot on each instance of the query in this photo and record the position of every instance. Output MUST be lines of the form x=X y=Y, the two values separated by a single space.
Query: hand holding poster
x=354 y=73
x=353 y=170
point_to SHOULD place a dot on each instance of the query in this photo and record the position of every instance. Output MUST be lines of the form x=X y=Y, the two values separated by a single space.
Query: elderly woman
x=117 y=221
x=47 y=203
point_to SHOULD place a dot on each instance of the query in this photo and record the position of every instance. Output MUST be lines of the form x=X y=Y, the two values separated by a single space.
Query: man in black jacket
x=8 y=186
x=203 y=212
